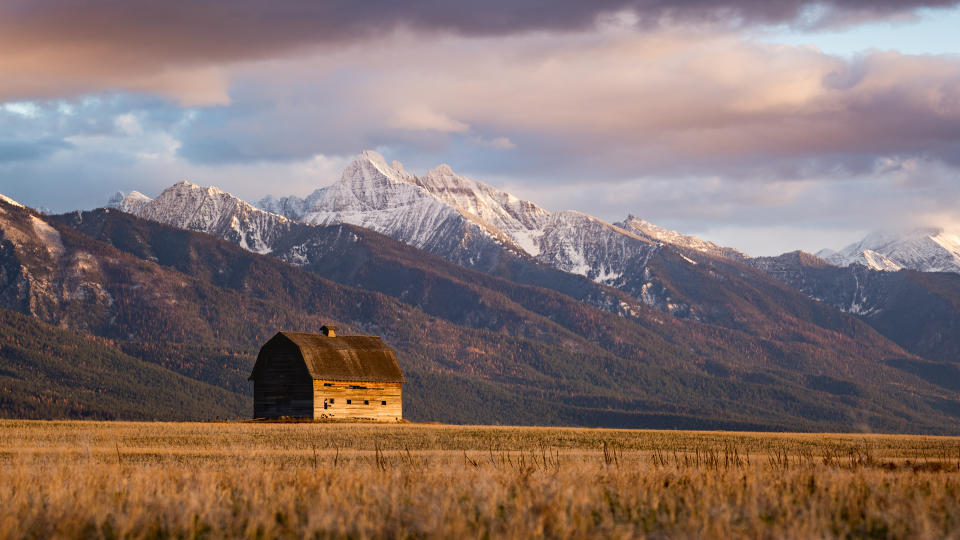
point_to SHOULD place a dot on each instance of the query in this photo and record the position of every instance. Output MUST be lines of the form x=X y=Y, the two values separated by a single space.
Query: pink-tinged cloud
x=422 y=118
x=666 y=102
x=56 y=48
x=52 y=74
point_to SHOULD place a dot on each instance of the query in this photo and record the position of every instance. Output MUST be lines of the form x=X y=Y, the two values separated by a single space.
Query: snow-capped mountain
x=446 y=214
x=128 y=203
x=458 y=218
x=927 y=250
x=209 y=210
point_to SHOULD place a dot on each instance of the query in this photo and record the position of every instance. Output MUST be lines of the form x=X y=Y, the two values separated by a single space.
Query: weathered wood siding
x=376 y=401
x=284 y=387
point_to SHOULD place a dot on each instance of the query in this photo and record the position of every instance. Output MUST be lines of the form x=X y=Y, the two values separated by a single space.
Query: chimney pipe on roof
x=329 y=331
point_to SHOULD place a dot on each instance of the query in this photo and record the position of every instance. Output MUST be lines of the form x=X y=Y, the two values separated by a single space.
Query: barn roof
x=345 y=358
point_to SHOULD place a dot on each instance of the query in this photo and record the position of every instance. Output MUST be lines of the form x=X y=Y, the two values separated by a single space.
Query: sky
x=764 y=125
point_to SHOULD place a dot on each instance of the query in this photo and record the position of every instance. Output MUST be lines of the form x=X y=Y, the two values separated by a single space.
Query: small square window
x=327 y=384
x=331 y=401
x=383 y=402
x=366 y=402
x=349 y=401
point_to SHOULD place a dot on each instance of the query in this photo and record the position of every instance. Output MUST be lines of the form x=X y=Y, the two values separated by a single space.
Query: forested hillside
x=198 y=307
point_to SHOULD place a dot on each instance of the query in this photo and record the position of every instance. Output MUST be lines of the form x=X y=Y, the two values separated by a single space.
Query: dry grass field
x=150 y=480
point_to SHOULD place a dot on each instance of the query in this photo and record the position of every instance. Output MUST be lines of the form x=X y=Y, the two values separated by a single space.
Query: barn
x=300 y=375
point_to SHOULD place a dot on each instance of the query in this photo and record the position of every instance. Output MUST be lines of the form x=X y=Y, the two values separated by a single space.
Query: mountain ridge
x=929 y=249
x=566 y=240
x=680 y=275
x=534 y=353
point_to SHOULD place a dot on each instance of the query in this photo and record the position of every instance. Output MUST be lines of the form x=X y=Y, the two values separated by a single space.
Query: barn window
x=331 y=401
x=366 y=402
x=383 y=402
x=327 y=384
x=349 y=401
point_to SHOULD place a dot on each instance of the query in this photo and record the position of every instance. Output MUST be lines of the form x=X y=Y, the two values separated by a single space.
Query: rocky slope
x=918 y=310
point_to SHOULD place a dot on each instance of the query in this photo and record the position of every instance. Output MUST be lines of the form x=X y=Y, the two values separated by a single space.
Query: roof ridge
x=353 y=358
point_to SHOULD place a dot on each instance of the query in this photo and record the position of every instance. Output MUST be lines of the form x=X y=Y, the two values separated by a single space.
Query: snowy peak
x=206 y=209
x=442 y=170
x=442 y=212
x=371 y=166
x=924 y=249
x=500 y=212
x=418 y=210
x=462 y=219
x=667 y=236
x=128 y=203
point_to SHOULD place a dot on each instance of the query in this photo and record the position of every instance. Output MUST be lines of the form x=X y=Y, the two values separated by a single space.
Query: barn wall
x=358 y=393
x=283 y=386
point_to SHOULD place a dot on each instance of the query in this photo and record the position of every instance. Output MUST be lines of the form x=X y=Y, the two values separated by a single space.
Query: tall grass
x=146 y=480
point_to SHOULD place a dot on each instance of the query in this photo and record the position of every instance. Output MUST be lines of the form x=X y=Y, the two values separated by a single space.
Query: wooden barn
x=324 y=375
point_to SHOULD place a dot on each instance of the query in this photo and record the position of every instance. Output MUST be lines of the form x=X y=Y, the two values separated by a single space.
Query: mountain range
x=500 y=310
x=925 y=250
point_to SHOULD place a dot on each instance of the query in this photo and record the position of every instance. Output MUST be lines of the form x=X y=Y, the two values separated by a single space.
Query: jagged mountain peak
x=499 y=208
x=129 y=203
x=447 y=214
x=187 y=186
x=468 y=221
x=208 y=209
x=441 y=170
x=928 y=249
x=370 y=165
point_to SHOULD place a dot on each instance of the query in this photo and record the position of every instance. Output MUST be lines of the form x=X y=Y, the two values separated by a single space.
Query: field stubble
x=84 y=479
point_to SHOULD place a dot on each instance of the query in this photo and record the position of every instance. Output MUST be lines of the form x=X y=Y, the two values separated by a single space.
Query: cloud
x=500 y=143
x=175 y=48
x=126 y=143
x=81 y=169
x=421 y=118
x=609 y=105
x=662 y=109
x=29 y=150
x=601 y=104
x=771 y=217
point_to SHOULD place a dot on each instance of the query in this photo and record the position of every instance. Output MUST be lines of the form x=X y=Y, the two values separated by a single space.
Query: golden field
x=250 y=480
